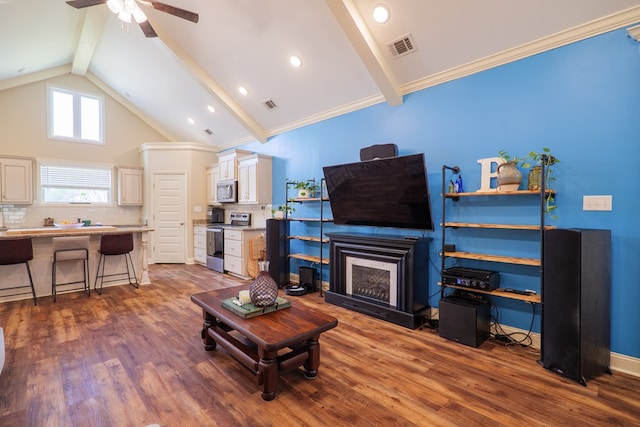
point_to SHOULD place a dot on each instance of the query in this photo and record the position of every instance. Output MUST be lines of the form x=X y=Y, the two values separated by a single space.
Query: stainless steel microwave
x=227 y=191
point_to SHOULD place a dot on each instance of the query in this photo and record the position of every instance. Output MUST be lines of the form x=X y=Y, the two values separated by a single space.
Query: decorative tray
x=69 y=225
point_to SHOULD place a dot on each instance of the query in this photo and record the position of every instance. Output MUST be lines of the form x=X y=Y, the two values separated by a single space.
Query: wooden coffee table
x=282 y=340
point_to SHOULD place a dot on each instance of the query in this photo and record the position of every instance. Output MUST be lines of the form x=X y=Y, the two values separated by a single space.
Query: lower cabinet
x=237 y=250
x=200 y=244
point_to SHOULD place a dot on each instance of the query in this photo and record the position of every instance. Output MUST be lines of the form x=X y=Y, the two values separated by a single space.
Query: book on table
x=248 y=310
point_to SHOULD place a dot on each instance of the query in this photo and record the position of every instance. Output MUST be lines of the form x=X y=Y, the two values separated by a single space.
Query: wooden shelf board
x=308 y=199
x=497 y=193
x=498 y=226
x=495 y=258
x=501 y=293
x=309 y=239
x=310 y=219
x=310 y=258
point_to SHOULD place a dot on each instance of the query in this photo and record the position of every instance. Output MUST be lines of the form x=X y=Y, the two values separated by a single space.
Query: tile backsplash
x=32 y=216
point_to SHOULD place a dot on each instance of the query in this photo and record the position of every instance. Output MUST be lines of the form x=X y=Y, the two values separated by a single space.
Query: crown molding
x=634 y=33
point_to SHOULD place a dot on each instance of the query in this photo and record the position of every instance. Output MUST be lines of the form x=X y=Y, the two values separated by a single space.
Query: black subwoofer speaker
x=308 y=278
x=464 y=320
x=276 y=246
x=576 y=315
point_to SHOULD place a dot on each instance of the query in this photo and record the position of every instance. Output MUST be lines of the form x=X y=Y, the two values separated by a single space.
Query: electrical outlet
x=597 y=203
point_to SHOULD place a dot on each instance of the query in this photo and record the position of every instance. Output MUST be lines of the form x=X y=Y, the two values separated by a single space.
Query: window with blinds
x=75 y=184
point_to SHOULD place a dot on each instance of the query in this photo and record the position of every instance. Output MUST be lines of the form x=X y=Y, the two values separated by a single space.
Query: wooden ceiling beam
x=356 y=30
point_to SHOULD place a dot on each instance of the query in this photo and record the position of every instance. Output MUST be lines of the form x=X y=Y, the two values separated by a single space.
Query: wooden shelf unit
x=319 y=240
x=534 y=262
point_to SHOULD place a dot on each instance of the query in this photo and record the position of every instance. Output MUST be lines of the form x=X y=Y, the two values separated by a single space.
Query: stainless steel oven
x=215 y=248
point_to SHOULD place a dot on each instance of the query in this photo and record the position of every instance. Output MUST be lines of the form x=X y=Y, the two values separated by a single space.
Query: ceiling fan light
x=139 y=15
x=115 y=6
x=124 y=16
x=130 y=5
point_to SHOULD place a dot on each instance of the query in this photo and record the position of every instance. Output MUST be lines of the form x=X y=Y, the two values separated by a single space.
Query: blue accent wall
x=581 y=100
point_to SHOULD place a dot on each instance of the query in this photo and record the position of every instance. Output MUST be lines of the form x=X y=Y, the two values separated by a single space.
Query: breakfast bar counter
x=42 y=241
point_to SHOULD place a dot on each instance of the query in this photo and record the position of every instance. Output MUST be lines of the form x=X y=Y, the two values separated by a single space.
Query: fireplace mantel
x=409 y=257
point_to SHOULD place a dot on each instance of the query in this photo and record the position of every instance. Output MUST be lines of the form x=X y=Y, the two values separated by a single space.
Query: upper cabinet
x=228 y=164
x=213 y=176
x=16 y=180
x=130 y=186
x=254 y=179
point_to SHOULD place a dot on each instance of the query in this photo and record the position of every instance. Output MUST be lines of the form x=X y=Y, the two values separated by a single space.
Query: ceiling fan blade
x=147 y=29
x=175 y=11
x=79 y=4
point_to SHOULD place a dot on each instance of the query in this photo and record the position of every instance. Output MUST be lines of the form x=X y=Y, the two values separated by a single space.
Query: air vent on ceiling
x=208 y=131
x=270 y=104
x=402 y=46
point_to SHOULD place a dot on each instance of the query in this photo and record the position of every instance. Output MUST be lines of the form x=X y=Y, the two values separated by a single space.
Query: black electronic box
x=471 y=278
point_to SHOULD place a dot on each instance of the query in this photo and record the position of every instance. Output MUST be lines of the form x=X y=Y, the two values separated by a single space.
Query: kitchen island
x=42 y=240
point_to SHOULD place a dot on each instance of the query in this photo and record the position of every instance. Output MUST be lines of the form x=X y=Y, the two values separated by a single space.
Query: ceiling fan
x=126 y=9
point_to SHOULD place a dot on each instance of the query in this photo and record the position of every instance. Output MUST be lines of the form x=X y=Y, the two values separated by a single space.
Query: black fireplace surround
x=411 y=258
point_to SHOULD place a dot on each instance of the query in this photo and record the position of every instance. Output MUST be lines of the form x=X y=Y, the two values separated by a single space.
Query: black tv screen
x=388 y=192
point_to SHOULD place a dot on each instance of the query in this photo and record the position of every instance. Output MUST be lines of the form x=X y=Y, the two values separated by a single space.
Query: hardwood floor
x=134 y=357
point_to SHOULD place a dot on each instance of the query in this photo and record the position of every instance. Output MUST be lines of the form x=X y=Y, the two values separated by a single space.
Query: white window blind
x=75 y=184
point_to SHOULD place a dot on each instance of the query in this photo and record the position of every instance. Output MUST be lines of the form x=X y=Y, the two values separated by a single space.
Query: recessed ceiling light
x=295 y=61
x=381 y=13
x=243 y=90
x=211 y=109
x=191 y=121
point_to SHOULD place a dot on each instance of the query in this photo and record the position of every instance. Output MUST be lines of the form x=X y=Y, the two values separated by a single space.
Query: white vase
x=509 y=177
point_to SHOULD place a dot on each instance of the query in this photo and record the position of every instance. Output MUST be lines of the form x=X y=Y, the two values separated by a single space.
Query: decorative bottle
x=263 y=290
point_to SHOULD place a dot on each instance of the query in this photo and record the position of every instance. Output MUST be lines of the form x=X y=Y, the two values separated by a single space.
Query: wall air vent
x=402 y=46
x=270 y=104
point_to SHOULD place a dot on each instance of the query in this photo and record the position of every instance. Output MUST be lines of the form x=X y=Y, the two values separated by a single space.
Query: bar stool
x=74 y=248
x=111 y=245
x=18 y=251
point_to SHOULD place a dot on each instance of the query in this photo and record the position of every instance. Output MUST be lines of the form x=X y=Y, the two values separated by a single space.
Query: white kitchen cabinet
x=16 y=180
x=236 y=250
x=228 y=164
x=200 y=244
x=254 y=179
x=213 y=176
x=130 y=181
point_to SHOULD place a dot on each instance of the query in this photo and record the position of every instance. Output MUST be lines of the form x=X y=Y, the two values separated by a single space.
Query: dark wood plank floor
x=134 y=357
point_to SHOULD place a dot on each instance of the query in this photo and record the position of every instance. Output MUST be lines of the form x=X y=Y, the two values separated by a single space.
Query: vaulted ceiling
x=347 y=58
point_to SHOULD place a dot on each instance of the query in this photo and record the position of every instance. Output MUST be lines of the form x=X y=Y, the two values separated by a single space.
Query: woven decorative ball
x=263 y=290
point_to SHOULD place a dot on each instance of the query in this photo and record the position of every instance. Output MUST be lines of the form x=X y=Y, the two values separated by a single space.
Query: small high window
x=75 y=116
x=60 y=183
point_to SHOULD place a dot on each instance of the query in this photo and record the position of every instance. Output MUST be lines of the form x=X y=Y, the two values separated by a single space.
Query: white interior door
x=169 y=218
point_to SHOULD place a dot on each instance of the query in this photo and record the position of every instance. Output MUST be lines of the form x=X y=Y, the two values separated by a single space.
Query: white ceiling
x=346 y=61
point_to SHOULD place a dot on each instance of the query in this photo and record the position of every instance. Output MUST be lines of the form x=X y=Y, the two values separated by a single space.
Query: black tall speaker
x=277 y=251
x=463 y=320
x=576 y=313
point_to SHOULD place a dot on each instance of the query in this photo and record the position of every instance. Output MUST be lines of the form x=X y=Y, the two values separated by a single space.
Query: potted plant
x=305 y=189
x=282 y=211
x=534 y=161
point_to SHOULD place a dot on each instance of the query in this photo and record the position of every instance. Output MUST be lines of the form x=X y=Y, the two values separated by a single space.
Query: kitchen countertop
x=14 y=233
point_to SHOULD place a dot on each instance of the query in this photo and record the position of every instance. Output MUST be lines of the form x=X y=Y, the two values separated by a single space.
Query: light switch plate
x=597 y=203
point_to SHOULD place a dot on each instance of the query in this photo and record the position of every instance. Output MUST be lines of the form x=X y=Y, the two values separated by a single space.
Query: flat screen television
x=388 y=192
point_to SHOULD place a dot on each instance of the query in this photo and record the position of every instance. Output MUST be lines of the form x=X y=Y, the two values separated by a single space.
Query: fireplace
x=381 y=276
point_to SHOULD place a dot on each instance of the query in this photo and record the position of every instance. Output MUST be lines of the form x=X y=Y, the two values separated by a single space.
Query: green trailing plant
x=287 y=209
x=535 y=158
x=308 y=185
